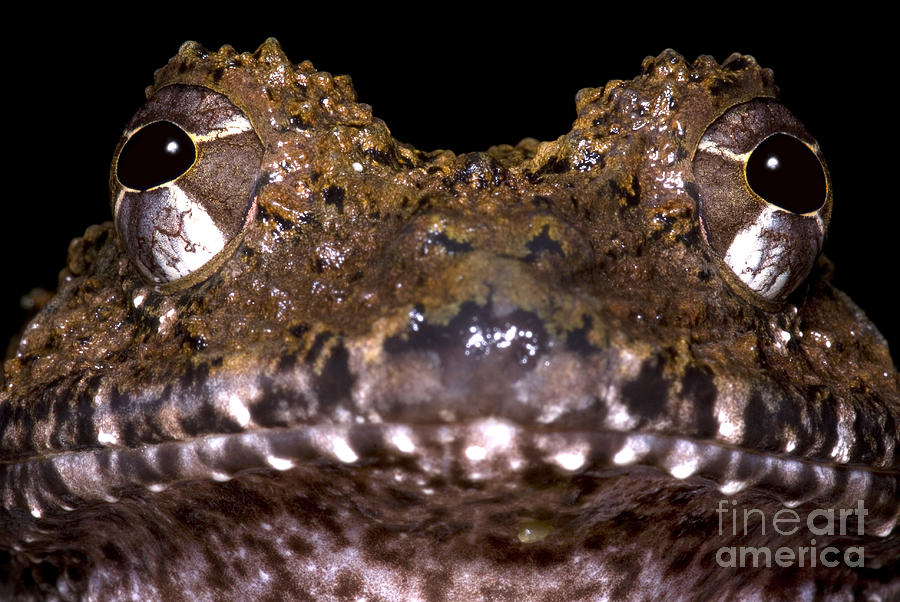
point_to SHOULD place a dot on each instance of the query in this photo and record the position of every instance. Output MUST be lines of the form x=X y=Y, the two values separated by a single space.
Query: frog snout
x=537 y=239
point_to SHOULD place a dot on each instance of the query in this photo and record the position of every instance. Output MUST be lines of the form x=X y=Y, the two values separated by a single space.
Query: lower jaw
x=384 y=528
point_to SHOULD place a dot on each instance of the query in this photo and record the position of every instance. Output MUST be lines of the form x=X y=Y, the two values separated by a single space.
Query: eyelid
x=179 y=225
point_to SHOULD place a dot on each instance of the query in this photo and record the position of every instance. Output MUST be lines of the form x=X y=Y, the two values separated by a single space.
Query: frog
x=306 y=359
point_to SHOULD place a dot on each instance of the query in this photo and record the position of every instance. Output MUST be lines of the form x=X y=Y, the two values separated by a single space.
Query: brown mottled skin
x=389 y=453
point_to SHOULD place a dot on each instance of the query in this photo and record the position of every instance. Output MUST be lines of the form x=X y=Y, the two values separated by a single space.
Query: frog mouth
x=470 y=455
x=429 y=407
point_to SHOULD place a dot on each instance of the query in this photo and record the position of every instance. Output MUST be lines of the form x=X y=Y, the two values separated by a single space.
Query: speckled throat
x=509 y=375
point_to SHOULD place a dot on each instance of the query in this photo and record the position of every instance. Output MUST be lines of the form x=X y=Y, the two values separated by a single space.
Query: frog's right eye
x=183 y=183
x=764 y=199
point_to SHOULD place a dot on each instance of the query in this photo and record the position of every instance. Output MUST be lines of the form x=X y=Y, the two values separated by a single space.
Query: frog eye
x=183 y=183
x=154 y=155
x=764 y=199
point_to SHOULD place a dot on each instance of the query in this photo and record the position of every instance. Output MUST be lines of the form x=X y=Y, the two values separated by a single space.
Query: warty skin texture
x=411 y=358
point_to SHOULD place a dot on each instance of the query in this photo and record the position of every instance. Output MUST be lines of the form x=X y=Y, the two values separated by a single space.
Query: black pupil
x=154 y=155
x=786 y=172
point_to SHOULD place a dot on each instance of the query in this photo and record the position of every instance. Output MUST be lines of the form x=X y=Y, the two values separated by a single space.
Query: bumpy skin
x=514 y=374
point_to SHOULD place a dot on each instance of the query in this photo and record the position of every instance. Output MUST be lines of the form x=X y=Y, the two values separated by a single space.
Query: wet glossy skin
x=414 y=360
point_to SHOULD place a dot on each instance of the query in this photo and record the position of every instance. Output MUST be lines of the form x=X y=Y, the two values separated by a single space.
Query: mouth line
x=487 y=455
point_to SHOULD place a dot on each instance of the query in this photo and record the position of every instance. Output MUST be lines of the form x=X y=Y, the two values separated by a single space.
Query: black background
x=448 y=78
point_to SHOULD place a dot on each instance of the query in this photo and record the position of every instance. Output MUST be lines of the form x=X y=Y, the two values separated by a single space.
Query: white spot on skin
x=634 y=449
x=732 y=487
x=35 y=512
x=156 y=487
x=549 y=412
x=279 y=463
x=887 y=528
x=107 y=438
x=490 y=437
x=621 y=419
x=343 y=451
x=684 y=470
x=165 y=318
x=238 y=411
x=626 y=455
x=497 y=434
x=570 y=460
x=727 y=428
x=840 y=452
x=221 y=477
x=403 y=443
x=476 y=453
x=845 y=435
x=682 y=460
x=138 y=300
x=356 y=166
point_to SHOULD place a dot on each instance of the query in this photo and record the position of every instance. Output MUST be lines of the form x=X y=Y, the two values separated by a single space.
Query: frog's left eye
x=765 y=199
x=183 y=183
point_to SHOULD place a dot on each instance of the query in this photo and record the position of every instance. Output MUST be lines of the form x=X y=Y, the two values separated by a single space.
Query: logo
x=734 y=522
